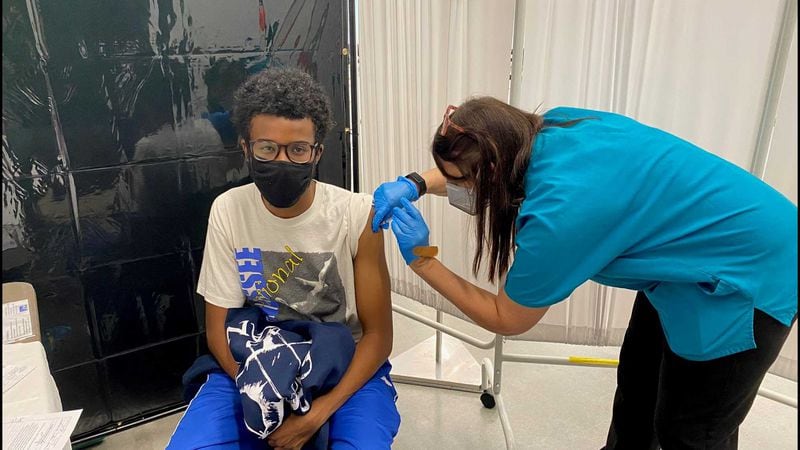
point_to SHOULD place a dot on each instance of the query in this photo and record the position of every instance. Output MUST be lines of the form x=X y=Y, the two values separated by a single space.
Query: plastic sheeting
x=116 y=139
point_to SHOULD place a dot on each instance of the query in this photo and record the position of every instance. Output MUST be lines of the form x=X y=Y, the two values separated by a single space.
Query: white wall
x=781 y=167
x=781 y=172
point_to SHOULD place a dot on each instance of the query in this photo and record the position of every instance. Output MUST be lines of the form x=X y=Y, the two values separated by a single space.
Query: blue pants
x=368 y=420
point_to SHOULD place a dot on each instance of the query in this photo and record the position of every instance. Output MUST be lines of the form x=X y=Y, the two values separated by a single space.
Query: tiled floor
x=549 y=407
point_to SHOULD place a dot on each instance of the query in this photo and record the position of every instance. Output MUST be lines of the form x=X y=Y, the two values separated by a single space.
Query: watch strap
x=422 y=187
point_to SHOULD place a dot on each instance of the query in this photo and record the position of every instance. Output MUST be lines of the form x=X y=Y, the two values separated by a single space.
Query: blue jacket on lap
x=281 y=365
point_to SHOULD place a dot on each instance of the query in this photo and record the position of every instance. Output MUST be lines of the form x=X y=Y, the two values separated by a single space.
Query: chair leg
x=507 y=432
x=487 y=394
x=496 y=386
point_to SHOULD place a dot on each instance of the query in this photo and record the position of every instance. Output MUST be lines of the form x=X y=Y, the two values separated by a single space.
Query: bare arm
x=218 y=339
x=435 y=182
x=496 y=313
x=373 y=301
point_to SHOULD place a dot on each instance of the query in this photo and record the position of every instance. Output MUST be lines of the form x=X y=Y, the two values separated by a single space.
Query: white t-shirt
x=298 y=268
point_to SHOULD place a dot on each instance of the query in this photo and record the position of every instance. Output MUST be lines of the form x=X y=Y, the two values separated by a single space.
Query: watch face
x=418 y=180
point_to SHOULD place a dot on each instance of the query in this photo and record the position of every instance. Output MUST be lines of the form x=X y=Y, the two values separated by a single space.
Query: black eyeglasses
x=297 y=152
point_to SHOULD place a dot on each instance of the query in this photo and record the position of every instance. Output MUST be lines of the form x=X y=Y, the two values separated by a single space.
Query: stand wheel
x=488 y=400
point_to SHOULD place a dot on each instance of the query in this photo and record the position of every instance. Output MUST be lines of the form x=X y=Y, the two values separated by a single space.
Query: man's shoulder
x=354 y=206
x=336 y=194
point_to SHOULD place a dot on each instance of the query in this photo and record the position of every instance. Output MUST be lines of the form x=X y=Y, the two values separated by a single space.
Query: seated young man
x=299 y=249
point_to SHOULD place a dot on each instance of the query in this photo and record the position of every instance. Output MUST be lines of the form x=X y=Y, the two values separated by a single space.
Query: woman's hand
x=410 y=230
x=387 y=197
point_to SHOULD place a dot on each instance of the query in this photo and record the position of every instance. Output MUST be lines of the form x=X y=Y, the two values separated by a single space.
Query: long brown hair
x=493 y=151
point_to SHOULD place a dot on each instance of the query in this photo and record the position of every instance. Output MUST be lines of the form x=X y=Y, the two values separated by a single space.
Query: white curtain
x=415 y=58
x=701 y=70
x=706 y=71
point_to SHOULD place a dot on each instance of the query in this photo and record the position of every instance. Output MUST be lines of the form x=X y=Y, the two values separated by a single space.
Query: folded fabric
x=194 y=377
x=284 y=364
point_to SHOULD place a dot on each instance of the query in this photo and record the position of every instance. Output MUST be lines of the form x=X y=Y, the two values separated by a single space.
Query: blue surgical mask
x=462 y=198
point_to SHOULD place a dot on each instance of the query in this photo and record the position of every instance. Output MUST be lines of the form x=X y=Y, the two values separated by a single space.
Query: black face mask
x=282 y=183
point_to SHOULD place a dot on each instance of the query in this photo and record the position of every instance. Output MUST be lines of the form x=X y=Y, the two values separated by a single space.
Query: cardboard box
x=16 y=291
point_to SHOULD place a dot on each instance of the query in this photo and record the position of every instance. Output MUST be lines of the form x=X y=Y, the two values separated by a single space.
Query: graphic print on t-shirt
x=292 y=285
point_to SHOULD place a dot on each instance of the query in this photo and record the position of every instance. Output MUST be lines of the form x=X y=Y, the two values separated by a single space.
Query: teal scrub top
x=626 y=205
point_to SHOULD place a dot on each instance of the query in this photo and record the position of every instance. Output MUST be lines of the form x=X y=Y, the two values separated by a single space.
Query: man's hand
x=295 y=431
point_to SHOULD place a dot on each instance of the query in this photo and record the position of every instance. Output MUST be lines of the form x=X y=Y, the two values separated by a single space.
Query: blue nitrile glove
x=387 y=196
x=409 y=229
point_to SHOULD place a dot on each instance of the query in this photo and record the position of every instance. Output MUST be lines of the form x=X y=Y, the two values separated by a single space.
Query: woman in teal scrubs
x=576 y=195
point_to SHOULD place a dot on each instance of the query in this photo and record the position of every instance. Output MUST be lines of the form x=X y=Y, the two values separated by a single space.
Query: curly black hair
x=289 y=93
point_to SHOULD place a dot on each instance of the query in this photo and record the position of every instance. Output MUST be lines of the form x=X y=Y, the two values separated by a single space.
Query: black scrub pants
x=663 y=400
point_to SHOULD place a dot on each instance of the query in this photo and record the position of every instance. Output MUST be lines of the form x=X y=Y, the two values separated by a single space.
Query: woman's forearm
x=478 y=304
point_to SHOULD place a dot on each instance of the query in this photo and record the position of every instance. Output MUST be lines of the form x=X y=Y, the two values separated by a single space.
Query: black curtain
x=116 y=140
